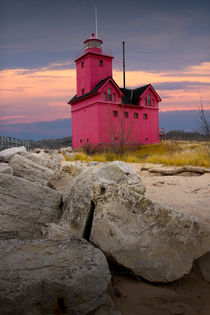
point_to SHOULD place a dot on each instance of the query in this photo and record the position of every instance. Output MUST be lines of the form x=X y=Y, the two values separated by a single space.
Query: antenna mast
x=96 y=21
x=123 y=64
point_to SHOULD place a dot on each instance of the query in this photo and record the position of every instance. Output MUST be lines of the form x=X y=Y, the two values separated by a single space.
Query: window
x=136 y=115
x=101 y=63
x=109 y=94
x=87 y=139
x=125 y=114
x=105 y=97
x=145 y=102
x=153 y=102
x=145 y=116
x=114 y=97
x=115 y=113
x=148 y=99
x=82 y=64
x=80 y=140
x=146 y=139
x=83 y=91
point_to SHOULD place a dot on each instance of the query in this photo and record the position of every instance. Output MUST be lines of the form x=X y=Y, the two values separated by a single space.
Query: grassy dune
x=168 y=153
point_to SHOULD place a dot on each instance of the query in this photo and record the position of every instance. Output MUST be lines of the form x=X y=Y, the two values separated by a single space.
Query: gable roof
x=132 y=96
x=95 y=89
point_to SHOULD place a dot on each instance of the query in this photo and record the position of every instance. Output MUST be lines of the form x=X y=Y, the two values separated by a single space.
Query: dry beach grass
x=167 y=153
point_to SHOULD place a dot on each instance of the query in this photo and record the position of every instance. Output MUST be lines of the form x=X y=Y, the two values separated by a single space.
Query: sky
x=167 y=45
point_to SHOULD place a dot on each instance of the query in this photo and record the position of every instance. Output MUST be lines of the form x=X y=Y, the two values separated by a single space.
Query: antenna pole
x=96 y=21
x=123 y=64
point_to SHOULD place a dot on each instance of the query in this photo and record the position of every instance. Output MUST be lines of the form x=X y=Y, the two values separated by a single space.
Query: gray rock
x=90 y=185
x=25 y=207
x=204 y=266
x=154 y=241
x=58 y=157
x=7 y=154
x=25 y=168
x=56 y=231
x=44 y=159
x=52 y=277
x=66 y=150
x=5 y=169
x=63 y=177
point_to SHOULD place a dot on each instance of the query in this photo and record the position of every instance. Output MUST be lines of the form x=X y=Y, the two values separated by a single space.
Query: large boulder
x=5 y=168
x=52 y=277
x=7 y=154
x=23 y=167
x=107 y=206
x=63 y=177
x=44 y=159
x=26 y=207
x=87 y=187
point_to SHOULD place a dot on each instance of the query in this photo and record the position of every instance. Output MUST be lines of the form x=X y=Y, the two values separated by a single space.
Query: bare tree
x=203 y=121
x=119 y=132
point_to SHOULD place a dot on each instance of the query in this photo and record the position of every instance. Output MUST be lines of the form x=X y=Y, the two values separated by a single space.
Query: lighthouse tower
x=93 y=66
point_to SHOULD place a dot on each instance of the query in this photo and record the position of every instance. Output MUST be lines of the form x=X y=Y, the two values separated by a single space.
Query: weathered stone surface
x=44 y=159
x=5 y=169
x=204 y=266
x=7 y=154
x=107 y=309
x=52 y=277
x=23 y=167
x=90 y=185
x=59 y=157
x=177 y=170
x=65 y=150
x=167 y=171
x=63 y=177
x=56 y=231
x=25 y=207
x=154 y=241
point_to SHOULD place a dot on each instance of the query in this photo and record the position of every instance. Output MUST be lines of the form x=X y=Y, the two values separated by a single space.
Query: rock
x=59 y=157
x=178 y=170
x=204 y=266
x=91 y=184
x=56 y=231
x=196 y=169
x=107 y=207
x=5 y=169
x=107 y=309
x=52 y=277
x=45 y=160
x=23 y=167
x=153 y=241
x=7 y=154
x=63 y=177
x=66 y=150
x=25 y=207
x=166 y=171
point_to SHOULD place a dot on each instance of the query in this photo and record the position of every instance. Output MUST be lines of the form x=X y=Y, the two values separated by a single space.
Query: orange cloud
x=42 y=94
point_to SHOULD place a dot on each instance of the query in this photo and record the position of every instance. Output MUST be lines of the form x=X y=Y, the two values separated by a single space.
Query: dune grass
x=169 y=153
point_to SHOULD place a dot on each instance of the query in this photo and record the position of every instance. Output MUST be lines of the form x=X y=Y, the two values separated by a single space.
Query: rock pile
x=59 y=221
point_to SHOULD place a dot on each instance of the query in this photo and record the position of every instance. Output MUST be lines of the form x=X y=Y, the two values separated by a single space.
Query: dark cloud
x=186 y=85
x=159 y=34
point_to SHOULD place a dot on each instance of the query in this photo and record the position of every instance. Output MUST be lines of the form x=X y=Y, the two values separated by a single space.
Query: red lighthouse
x=100 y=106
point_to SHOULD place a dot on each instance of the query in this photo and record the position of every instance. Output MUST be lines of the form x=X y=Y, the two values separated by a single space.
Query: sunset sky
x=167 y=45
